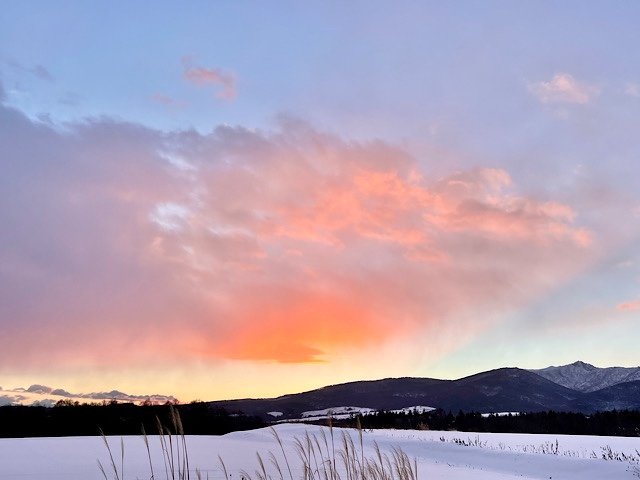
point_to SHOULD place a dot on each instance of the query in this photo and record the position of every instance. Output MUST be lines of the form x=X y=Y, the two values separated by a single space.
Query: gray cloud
x=38 y=71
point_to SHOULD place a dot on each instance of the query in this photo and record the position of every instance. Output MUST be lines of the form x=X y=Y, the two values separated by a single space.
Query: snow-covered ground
x=338 y=413
x=417 y=409
x=343 y=413
x=440 y=455
x=499 y=414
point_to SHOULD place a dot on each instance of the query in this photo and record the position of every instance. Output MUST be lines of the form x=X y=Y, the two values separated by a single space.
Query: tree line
x=613 y=423
x=201 y=418
x=72 y=419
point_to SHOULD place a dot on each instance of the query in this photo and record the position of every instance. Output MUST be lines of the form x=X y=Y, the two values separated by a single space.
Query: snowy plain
x=490 y=456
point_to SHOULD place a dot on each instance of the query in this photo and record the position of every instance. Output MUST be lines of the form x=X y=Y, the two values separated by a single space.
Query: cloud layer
x=128 y=245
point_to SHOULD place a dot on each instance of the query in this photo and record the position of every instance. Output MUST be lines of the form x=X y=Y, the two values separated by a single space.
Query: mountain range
x=587 y=378
x=578 y=387
x=41 y=395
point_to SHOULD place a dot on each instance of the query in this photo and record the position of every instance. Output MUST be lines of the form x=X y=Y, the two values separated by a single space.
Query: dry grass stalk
x=317 y=453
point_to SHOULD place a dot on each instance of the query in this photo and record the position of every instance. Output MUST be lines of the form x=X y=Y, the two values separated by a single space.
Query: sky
x=245 y=199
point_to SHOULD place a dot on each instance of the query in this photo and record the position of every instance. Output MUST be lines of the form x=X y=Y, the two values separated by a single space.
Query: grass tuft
x=319 y=458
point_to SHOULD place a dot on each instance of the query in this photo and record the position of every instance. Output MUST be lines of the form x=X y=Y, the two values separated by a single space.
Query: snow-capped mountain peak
x=585 y=377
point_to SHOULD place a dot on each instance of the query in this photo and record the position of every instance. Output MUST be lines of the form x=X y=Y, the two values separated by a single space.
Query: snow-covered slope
x=417 y=409
x=342 y=413
x=336 y=412
x=584 y=377
x=439 y=455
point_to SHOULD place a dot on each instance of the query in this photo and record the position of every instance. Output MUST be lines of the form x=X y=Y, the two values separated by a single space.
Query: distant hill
x=623 y=396
x=501 y=390
x=41 y=395
x=584 y=377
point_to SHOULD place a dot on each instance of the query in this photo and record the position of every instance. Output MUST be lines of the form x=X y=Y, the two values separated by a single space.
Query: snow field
x=483 y=456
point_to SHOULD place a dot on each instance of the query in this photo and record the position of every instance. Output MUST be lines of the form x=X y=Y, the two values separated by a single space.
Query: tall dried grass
x=319 y=457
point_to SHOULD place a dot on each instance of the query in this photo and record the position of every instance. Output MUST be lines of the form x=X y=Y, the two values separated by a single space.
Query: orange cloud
x=301 y=326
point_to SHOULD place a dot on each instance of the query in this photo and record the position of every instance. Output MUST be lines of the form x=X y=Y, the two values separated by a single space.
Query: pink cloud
x=285 y=246
x=630 y=306
x=369 y=233
x=166 y=100
x=563 y=88
x=210 y=76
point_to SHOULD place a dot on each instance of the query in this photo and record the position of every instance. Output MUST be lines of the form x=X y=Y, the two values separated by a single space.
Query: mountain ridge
x=498 y=390
x=587 y=378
